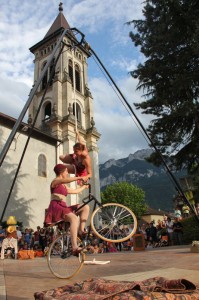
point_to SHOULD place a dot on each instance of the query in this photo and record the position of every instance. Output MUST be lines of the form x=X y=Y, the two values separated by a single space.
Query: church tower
x=68 y=102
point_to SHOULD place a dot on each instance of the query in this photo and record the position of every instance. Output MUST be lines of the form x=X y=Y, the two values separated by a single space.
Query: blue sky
x=23 y=23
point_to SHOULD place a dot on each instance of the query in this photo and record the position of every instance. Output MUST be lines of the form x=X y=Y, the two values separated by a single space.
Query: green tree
x=127 y=194
x=168 y=36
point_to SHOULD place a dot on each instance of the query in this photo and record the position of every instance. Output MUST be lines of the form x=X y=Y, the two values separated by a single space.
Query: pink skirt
x=57 y=210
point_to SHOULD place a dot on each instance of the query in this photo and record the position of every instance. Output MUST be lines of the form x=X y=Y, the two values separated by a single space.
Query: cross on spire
x=60 y=6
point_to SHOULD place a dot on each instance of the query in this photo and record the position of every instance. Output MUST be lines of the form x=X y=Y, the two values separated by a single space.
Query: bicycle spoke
x=60 y=259
x=113 y=219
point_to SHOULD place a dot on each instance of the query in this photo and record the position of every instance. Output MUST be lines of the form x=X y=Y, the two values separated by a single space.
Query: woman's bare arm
x=76 y=191
x=58 y=181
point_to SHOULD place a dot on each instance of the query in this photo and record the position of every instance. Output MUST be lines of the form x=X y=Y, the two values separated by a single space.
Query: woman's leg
x=83 y=214
x=73 y=220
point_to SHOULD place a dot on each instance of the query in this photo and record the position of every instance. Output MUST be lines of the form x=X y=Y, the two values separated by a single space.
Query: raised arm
x=76 y=191
x=58 y=181
x=79 y=139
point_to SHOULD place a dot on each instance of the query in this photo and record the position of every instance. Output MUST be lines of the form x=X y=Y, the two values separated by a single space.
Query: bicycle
x=109 y=222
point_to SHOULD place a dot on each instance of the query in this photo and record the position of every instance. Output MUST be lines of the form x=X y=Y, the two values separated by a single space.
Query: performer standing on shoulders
x=79 y=163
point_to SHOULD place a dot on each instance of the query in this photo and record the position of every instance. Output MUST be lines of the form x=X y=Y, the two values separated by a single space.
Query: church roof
x=56 y=28
x=60 y=22
x=152 y=211
x=9 y=122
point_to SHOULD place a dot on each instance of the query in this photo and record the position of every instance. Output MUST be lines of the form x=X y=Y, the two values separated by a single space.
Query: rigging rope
x=75 y=109
x=74 y=88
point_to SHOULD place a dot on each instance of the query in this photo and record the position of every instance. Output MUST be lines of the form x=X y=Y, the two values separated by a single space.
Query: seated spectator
x=38 y=251
x=10 y=241
x=93 y=248
x=36 y=236
x=185 y=211
x=25 y=246
x=2 y=235
x=112 y=247
x=101 y=248
x=177 y=213
x=28 y=237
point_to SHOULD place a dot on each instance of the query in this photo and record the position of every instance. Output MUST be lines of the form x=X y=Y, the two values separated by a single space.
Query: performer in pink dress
x=58 y=209
x=79 y=163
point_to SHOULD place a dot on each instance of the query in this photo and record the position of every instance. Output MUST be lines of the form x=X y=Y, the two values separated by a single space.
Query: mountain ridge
x=155 y=181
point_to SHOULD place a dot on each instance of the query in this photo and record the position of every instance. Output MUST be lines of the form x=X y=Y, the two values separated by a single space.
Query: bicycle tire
x=111 y=219
x=61 y=262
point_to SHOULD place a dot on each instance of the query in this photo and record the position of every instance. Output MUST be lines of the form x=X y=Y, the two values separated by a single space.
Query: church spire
x=60 y=22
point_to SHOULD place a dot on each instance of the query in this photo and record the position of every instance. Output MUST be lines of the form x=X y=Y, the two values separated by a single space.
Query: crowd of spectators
x=28 y=239
x=166 y=232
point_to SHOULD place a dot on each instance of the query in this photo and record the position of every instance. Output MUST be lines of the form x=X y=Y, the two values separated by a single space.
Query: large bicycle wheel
x=61 y=262
x=113 y=222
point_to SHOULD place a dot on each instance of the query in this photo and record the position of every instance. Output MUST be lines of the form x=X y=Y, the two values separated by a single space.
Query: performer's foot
x=77 y=251
x=82 y=234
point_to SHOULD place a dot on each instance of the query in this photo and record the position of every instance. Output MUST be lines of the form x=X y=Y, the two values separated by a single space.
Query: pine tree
x=168 y=36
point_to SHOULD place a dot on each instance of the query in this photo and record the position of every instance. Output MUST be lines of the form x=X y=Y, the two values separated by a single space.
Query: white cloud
x=98 y=15
x=125 y=63
x=13 y=96
x=121 y=133
x=24 y=23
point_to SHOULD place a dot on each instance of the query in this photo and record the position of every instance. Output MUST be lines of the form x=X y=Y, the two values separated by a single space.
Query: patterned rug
x=101 y=289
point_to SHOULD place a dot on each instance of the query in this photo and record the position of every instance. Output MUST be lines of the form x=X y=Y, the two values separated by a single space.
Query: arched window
x=77 y=78
x=77 y=112
x=47 y=111
x=47 y=74
x=42 y=166
x=70 y=70
x=45 y=78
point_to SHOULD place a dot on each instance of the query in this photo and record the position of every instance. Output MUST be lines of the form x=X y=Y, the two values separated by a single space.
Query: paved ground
x=20 y=279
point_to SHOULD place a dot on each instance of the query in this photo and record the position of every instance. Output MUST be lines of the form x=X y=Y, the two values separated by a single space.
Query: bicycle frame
x=90 y=198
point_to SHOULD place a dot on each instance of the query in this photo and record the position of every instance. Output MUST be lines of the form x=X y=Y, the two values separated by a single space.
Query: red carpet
x=98 y=289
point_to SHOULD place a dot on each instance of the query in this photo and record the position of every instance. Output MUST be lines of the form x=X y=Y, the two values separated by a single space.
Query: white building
x=66 y=104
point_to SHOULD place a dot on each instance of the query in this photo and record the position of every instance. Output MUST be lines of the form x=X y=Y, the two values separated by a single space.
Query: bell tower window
x=47 y=111
x=77 y=78
x=47 y=74
x=70 y=70
x=77 y=112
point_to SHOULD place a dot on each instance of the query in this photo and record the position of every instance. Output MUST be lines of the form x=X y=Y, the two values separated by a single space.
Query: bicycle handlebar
x=86 y=183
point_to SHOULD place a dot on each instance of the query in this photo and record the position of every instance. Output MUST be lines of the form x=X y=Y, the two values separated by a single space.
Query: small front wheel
x=61 y=262
x=113 y=222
